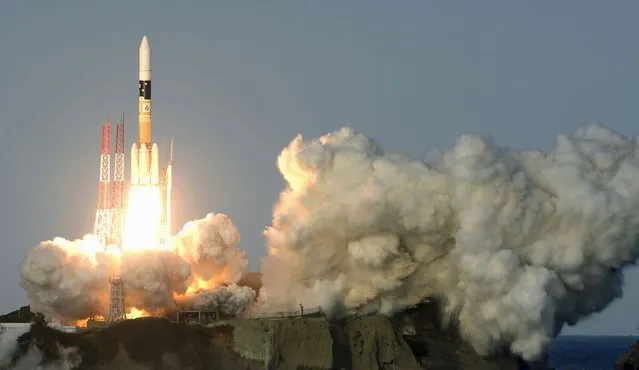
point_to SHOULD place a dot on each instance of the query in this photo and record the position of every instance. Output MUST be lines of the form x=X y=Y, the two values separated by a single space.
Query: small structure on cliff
x=96 y=321
x=201 y=317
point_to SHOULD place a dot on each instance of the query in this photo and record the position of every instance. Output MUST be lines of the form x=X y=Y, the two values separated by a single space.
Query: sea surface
x=576 y=352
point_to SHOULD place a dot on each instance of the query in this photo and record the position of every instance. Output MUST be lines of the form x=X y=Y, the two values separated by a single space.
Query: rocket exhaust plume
x=514 y=243
x=70 y=278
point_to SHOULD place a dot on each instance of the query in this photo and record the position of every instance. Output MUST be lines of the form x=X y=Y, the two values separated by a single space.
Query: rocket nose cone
x=145 y=43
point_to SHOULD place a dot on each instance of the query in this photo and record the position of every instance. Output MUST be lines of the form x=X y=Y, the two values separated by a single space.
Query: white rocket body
x=145 y=155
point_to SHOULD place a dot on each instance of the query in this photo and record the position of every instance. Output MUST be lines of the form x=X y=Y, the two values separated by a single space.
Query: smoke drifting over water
x=514 y=243
x=70 y=278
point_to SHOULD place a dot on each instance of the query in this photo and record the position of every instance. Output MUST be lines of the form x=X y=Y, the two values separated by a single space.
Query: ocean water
x=576 y=352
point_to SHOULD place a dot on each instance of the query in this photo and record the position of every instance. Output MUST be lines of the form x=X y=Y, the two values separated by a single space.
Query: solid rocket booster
x=169 y=191
x=145 y=156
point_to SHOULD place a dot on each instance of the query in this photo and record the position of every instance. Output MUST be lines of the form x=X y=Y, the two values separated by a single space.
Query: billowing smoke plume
x=514 y=243
x=209 y=247
x=9 y=344
x=67 y=359
x=231 y=300
x=12 y=356
x=152 y=277
x=71 y=278
x=68 y=277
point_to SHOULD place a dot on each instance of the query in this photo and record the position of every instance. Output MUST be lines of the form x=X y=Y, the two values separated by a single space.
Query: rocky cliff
x=410 y=341
x=435 y=348
x=283 y=343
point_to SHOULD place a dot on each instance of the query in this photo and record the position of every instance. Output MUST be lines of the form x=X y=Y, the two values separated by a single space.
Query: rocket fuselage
x=145 y=160
x=144 y=100
x=145 y=154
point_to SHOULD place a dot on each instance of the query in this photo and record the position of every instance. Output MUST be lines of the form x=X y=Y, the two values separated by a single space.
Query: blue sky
x=234 y=82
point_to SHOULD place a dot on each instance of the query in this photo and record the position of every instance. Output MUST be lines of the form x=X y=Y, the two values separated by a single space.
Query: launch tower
x=117 y=198
x=101 y=228
x=116 y=304
x=110 y=213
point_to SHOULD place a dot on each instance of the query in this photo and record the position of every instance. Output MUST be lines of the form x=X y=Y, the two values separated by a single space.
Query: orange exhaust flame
x=81 y=323
x=135 y=313
x=201 y=284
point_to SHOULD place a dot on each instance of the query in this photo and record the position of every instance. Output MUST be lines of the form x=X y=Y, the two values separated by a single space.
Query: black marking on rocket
x=145 y=90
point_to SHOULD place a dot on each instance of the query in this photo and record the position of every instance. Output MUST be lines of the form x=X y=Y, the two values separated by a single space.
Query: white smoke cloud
x=9 y=344
x=71 y=278
x=231 y=300
x=515 y=243
x=67 y=277
x=69 y=358
x=209 y=245
x=151 y=277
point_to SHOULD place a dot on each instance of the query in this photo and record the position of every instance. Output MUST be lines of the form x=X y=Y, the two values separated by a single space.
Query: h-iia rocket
x=145 y=164
x=145 y=154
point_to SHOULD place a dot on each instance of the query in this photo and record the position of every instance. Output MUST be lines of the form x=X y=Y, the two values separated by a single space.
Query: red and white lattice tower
x=117 y=201
x=101 y=228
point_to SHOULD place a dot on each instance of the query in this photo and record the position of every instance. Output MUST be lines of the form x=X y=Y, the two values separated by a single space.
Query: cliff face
x=369 y=342
x=24 y=314
x=435 y=348
x=412 y=341
x=282 y=343
x=375 y=343
x=287 y=343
